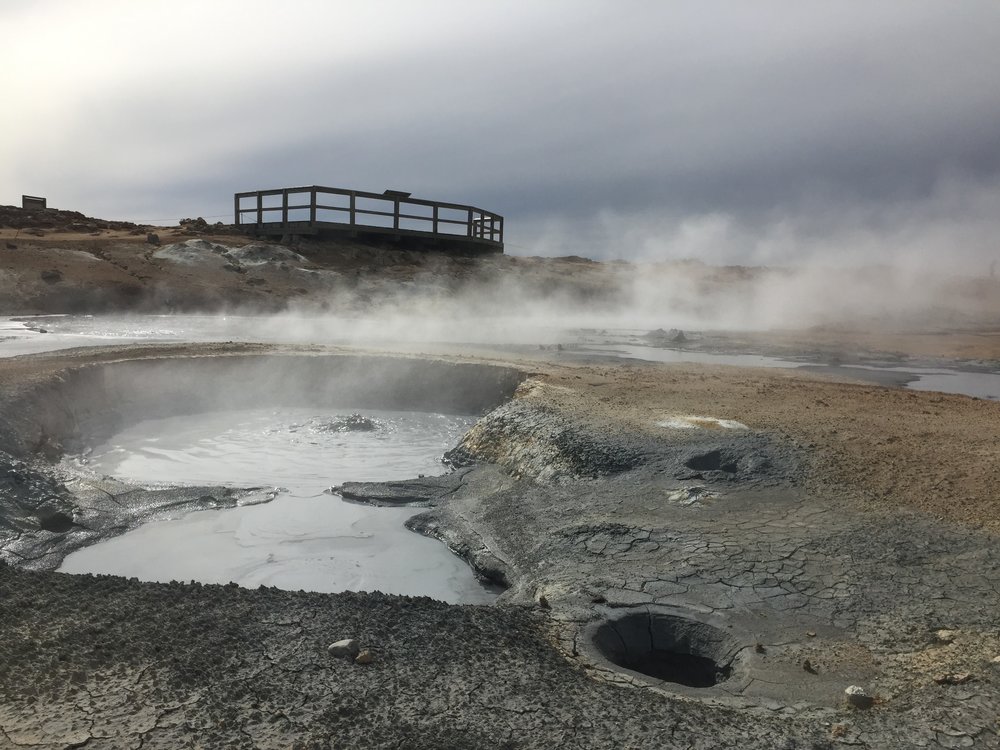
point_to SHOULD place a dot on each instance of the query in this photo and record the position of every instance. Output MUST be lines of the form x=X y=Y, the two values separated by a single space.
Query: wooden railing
x=388 y=212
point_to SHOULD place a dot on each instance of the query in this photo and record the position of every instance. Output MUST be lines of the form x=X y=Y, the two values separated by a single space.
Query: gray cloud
x=771 y=131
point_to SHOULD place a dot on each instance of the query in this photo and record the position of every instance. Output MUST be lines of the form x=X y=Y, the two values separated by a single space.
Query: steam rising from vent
x=505 y=300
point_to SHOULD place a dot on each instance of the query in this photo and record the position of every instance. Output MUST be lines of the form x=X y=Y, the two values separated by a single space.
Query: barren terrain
x=63 y=262
x=808 y=534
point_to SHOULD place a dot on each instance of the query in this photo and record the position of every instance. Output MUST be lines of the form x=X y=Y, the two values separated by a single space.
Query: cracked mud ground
x=846 y=538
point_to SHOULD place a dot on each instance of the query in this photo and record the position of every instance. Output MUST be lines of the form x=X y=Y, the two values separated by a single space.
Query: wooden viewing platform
x=326 y=211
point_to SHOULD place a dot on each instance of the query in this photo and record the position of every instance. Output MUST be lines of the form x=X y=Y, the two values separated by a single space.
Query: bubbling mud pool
x=306 y=538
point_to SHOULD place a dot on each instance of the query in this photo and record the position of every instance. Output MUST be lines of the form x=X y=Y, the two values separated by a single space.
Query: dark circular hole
x=667 y=647
x=57 y=522
x=712 y=461
x=683 y=669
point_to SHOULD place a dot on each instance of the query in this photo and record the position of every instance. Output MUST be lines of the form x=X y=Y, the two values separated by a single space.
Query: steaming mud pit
x=304 y=538
x=697 y=586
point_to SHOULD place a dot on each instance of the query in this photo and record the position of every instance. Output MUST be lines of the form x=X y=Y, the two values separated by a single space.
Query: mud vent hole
x=667 y=647
x=712 y=461
x=57 y=522
x=683 y=669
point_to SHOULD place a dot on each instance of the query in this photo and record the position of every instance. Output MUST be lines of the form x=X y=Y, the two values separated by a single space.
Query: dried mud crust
x=599 y=512
x=167 y=665
x=878 y=449
x=819 y=576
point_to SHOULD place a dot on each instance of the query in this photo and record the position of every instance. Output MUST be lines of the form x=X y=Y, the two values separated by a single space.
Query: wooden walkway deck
x=326 y=211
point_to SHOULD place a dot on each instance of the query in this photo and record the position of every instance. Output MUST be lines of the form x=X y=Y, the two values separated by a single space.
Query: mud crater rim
x=54 y=420
x=672 y=649
x=107 y=397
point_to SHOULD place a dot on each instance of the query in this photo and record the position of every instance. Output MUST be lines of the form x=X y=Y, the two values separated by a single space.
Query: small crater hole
x=668 y=647
x=711 y=461
x=682 y=669
x=56 y=522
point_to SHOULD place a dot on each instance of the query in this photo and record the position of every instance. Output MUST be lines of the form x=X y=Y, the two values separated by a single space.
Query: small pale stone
x=365 y=657
x=858 y=697
x=945 y=636
x=347 y=647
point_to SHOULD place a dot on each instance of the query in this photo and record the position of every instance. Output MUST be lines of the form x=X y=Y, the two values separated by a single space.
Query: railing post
x=469 y=232
x=284 y=206
x=435 y=219
x=312 y=206
x=236 y=209
x=353 y=207
x=395 y=213
x=260 y=208
x=501 y=229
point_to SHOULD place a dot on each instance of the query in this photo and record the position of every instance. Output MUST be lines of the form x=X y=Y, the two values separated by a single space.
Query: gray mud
x=158 y=665
x=49 y=508
x=626 y=551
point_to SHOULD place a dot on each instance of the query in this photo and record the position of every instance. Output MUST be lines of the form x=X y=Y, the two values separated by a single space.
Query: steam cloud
x=536 y=301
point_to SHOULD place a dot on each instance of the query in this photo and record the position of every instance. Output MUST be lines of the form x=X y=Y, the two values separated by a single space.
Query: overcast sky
x=735 y=132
